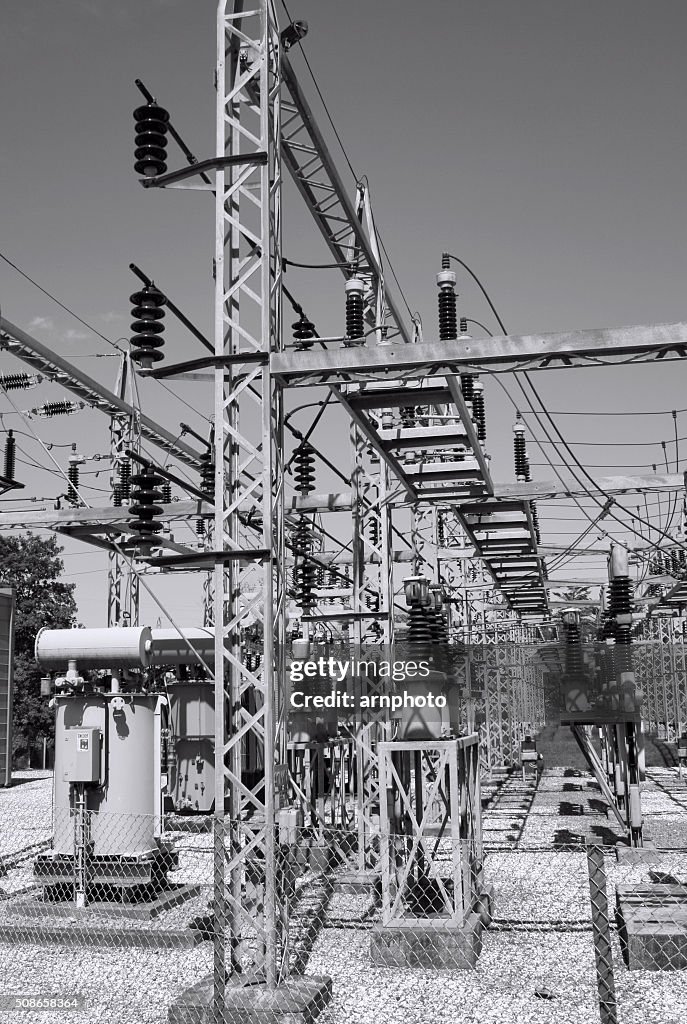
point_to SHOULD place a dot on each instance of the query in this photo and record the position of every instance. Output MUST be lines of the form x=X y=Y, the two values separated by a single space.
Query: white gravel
x=541 y=938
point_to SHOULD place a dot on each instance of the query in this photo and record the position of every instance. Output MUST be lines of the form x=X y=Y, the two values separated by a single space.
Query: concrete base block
x=320 y=857
x=358 y=883
x=143 y=911
x=638 y=855
x=91 y=935
x=653 y=939
x=652 y=926
x=298 y=1001
x=428 y=943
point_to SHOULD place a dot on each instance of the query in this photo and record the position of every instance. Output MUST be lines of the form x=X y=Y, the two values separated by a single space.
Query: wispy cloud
x=71 y=335
x=110 y=317
x=42 y=323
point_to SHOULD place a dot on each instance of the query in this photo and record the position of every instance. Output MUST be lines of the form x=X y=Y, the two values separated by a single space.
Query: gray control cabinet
x=81 y=756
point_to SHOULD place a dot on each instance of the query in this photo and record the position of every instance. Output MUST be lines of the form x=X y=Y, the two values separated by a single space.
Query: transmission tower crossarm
x=59 y=518
x=552 y=489
x=642 y=343
x=314 y=172
x=53 y=366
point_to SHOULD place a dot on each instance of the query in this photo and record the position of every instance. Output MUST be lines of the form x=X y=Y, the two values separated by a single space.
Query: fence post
x=601 y=930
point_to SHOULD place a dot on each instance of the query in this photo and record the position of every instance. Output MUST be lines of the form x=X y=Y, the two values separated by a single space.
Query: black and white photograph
x=343 y=512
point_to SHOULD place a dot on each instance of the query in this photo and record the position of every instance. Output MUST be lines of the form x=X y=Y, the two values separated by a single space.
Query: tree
x=32 y=566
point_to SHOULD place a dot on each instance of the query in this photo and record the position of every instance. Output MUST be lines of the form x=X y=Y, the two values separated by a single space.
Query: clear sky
x=541 y=141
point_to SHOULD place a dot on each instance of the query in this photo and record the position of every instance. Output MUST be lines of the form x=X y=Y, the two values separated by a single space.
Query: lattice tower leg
x=249 y=472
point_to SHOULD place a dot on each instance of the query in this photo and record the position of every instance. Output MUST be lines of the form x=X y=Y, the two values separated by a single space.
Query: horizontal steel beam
x=329 y=200
x=58 y=519
x=321 y=503
x=551 y=489
x=535 y=351
x=54 y=367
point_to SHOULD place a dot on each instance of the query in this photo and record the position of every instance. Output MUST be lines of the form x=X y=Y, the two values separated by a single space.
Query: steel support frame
x=372 y=585
x=248 y=433
x=435 y=789
x=123 y=589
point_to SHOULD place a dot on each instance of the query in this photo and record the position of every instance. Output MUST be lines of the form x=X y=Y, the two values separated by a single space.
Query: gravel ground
x=25 y=811
x=540 y=942
x=119 y=985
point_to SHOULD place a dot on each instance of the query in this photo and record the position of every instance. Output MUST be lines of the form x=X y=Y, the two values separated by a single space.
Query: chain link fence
x=118 y=912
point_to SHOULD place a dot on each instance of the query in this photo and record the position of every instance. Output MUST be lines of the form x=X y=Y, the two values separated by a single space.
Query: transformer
x=191 y=768
x=107 y=790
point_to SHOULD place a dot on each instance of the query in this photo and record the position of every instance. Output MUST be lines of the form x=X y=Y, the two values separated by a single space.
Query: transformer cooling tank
x=128 y=798
x=192 y=725
x=166 y=647
x=93 y=648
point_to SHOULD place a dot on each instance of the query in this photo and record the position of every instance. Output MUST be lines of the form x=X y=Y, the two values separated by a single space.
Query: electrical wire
x=634 y=413
x=549 y=462
x=545 y=412
x=345 y=154
x=56 y=300
x=619 y=444
x=576 y=460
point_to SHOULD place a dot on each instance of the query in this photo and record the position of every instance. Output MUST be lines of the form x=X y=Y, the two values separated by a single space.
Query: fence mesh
x=119 y=913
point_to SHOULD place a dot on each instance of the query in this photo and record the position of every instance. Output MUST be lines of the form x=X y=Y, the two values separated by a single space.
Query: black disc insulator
x=535 y=521
x=467 y=385
x=207 y=473
x=355 y=322
x=146 y=317
x=151 y=125
x=479 y=415
x=448 y=318
x=620 y=596
x=623 y=648
x=125 y=477
x=374 y=531
x=73 y=478
x=607 y=626
x=574 y=662
x=304 y=468
x=305 y=572
x=146 y=497
x=57 y=409
x=166 y=492
x=520 y=456
x=150 y=140
x=147 y=299
x=419 y=629
x=147 y=327
x=15 y=381
x=117 y=495
x=303 y=333
x=10 y=456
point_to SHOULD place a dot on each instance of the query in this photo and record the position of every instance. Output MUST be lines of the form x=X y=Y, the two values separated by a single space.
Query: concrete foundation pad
x=298 y=1001
x=358 y=883
x=98 y=935
x=429 y=943
x=638 y=855
x=653 y=938
x=134 y=911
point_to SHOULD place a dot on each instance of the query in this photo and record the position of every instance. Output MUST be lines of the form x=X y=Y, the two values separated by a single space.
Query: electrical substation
x=389 y=740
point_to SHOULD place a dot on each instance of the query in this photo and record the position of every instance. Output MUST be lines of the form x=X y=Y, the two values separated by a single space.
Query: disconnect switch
x=82 y=755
